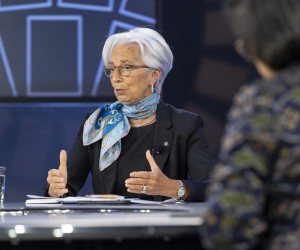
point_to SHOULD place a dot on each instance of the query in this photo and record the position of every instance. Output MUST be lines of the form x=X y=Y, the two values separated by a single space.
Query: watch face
x=181 y=192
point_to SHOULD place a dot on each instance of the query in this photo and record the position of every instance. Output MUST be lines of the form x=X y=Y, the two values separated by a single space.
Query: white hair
x=155 y=52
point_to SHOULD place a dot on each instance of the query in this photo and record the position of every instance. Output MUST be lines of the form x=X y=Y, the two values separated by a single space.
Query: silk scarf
x=110 y=123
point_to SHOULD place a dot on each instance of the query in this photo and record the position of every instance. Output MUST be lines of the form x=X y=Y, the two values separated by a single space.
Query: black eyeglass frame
x=128 y=68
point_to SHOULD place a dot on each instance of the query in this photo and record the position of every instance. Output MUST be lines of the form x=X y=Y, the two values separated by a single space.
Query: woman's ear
x=155 y=75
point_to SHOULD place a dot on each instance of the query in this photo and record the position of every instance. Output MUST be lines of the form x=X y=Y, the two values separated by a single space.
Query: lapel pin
x=166 y=144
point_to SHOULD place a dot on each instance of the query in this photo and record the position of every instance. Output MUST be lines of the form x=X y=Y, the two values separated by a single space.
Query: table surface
x=107 y=221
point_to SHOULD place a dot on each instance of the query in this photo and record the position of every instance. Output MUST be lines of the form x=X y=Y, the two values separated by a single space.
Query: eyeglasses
x=123 y=70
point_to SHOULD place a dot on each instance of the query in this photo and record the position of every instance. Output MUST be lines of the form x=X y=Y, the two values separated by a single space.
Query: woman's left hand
x=152 y=182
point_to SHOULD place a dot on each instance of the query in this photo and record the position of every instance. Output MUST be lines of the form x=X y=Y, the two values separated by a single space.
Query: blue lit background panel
x=53 y=48
x=54 y=56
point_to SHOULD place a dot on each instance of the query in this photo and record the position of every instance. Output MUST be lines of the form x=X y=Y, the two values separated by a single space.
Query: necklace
x=144 y=124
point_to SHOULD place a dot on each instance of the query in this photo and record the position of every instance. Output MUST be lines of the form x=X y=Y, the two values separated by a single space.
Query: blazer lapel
x=162 y=135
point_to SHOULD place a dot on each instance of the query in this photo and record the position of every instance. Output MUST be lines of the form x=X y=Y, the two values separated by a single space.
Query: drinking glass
x=2 y=184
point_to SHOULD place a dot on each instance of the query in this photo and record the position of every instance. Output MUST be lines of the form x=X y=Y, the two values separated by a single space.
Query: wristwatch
x=181 y=192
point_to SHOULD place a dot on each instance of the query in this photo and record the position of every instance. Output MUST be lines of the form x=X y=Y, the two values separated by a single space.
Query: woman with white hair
x=138 y=146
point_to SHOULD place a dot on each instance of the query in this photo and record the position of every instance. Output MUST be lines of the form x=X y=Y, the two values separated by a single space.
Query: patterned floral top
x=254 y=195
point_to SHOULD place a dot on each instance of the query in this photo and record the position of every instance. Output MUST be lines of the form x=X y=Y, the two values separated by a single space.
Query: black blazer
x=183 y=154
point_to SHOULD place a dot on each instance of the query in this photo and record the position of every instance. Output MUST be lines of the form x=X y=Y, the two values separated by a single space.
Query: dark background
x=206 y=74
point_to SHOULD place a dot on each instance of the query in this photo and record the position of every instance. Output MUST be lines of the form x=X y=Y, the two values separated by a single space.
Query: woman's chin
x=123 y=100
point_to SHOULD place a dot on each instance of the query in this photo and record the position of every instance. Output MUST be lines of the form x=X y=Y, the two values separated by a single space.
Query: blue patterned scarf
x=110 y=123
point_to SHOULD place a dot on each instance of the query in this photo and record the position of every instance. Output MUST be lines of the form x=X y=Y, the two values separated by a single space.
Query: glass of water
x=2 y=184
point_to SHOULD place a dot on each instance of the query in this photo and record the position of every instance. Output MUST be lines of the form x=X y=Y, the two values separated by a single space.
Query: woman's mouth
x=120 y=91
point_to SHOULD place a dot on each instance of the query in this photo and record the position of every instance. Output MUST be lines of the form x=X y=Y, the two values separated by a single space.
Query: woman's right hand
x=57 y=178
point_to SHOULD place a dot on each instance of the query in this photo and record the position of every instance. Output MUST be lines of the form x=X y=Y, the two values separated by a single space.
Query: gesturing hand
x=155 y=181
x=57 y=178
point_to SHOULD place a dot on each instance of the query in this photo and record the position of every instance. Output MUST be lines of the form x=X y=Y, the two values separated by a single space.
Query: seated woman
x=137 y=146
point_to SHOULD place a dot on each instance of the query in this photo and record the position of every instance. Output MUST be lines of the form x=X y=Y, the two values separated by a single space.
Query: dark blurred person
x=254 y=194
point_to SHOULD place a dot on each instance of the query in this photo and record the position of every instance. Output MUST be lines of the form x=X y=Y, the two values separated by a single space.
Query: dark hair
x=269 y=29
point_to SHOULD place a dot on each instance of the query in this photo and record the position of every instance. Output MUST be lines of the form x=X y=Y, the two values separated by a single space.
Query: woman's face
x=136 y=86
